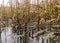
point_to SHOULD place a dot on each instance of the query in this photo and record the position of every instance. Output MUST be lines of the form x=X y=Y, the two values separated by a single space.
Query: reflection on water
x=8 y=37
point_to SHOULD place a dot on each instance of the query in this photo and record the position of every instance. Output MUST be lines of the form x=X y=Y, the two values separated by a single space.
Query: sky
x=6 y=2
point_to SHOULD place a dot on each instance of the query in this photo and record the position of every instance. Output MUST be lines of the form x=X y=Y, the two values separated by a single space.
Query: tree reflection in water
x=8 y=37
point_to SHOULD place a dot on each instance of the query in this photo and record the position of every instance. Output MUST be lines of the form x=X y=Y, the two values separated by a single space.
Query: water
x=8 y=37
